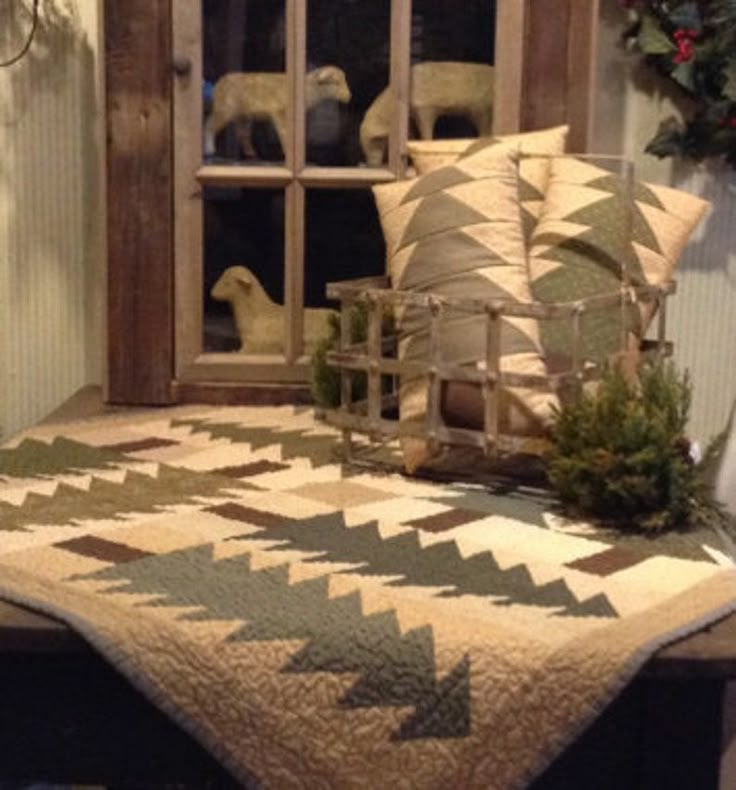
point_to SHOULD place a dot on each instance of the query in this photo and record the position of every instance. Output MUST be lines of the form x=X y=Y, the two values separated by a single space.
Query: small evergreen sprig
x=325 y=380
x=621 y=454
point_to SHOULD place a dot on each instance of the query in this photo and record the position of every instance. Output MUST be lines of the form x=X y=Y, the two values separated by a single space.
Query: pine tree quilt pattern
x=317 y=625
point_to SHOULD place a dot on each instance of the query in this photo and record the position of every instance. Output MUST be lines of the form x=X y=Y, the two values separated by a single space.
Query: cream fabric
x=457 y=231
x=534 y=147
x=592 y=233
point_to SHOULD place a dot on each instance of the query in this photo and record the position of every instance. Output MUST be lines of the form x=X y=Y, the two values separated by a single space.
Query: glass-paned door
x=286 y=112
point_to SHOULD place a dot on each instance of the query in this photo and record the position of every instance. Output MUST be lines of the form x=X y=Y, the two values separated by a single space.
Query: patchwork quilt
x=316 y=625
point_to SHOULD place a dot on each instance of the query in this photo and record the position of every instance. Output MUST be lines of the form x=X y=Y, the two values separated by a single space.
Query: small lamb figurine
x=437 y=88
x=244 y=97
x=260 y=321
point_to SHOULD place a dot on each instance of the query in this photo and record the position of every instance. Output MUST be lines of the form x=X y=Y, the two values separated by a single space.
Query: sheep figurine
x=244 y=97
x=437 y=88
x=259 y=320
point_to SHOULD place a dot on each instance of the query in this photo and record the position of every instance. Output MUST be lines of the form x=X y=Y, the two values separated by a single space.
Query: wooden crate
x=375 y=418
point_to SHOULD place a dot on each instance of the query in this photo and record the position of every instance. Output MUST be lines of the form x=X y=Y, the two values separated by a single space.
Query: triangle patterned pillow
x=591 y=235
x=535 y=149
x=457 y=231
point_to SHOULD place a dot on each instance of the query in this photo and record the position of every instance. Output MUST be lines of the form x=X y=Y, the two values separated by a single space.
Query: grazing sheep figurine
x=437 y=88
x=244 y=97
x=260 y=321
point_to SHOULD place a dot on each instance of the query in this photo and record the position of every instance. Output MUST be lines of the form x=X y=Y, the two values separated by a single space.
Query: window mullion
x=296 y=45
x=400 y=78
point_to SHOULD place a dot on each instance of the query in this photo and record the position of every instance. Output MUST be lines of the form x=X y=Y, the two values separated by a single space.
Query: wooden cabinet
x=286 y=195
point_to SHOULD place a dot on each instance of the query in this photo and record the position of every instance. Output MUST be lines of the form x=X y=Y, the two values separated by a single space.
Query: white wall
x=631 y=103
x=51 y=241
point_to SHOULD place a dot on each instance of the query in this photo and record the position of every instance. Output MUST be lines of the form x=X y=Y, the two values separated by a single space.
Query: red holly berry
x=685 y=51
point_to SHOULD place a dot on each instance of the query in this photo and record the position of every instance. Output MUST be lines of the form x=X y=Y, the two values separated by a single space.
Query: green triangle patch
x=320 y=449
x=34 y=458
x=395 y=669
x=436 y=181
x=138 y=493
x=437 y=214
x=440 y=565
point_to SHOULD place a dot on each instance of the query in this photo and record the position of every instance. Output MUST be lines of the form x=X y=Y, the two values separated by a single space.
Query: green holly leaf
x=729 y=73
x=684 y=74
x=652 y=40
x=687 y=17
x=668 y=140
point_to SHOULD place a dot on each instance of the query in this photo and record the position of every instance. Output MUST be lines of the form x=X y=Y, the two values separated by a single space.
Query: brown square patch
x=448 y=519
x=342 y=494
x=608 y=562
x=249 y=470
x=104 y=550
x=249 y=515
x=136 y=446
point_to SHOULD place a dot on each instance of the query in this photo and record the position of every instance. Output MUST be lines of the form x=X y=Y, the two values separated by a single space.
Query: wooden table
x=67 y=716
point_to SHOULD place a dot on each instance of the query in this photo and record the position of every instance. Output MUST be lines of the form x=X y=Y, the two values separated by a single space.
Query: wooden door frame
x=545 y=63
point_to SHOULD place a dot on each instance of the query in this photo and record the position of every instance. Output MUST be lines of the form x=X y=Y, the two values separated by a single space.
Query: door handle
x=182 y=66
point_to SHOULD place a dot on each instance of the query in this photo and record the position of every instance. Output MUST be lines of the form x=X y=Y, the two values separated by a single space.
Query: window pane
x=452 y=50
x=244 y=83
x=243 y=270
x=347 y=56
x=343 y=240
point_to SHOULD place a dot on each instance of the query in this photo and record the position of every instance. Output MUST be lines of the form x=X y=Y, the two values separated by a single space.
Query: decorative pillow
x=428 y=155
x=535 y=149
x=587 y=233
x=457 y=232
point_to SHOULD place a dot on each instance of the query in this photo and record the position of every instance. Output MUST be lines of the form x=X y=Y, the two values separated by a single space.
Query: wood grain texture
x=188 y=225
x=555 y=87
x=508 y=88
x=545 y=64
x=224 y=394
x=139 y=174
x=582 y=68
x=559 y=67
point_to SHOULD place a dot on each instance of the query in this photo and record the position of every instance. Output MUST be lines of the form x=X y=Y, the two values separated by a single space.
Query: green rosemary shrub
x=325 y=380
x=621 y=454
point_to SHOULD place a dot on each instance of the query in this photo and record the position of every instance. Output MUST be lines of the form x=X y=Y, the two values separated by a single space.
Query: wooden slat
x=296 y=65
x=545 y=64
x=344 y=177
x=375 y=319
x=188 y=222
x=242 y=368
x=400 y=84
x=219 y=393
x=511 y=19
x=244 y=175
x=139 y=210
x=581 y=75
x=296 y=60
x=294 y=271
x=559 y=60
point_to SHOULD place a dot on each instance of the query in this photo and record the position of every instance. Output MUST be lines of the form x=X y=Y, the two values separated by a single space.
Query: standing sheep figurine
x=437 y=88
x=259 y=320
x=245 y=97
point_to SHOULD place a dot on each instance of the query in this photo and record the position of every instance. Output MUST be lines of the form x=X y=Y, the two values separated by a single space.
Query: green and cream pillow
x=591 y=227
x=457 y=231
x=534 y=148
